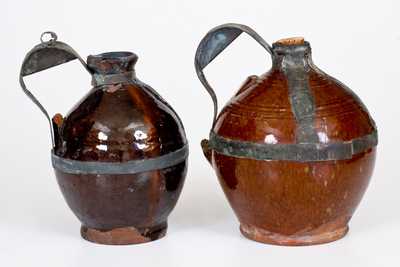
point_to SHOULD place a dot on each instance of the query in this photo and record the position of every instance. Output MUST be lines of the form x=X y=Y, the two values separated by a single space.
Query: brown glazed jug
x=120 y=155
x=293 y=149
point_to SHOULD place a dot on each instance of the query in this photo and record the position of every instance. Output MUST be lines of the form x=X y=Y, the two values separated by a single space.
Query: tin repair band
x=127 y=167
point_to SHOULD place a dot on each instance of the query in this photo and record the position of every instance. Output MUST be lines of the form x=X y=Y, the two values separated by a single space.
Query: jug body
x=120 y=155
x=293 y=149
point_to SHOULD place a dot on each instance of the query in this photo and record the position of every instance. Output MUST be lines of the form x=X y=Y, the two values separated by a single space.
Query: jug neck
x=292 y=53
x=112 y=63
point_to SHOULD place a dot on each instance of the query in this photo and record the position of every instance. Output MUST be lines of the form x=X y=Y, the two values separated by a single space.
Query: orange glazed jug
x=294 y=149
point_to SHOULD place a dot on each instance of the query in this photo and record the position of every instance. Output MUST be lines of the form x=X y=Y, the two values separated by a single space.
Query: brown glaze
x=292 y=202
x=297 y=202
x=262 y=108
x=107 y=202
x=118 y=123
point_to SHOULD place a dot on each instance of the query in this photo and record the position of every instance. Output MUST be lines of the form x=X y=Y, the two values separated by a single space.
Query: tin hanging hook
x=53 y=37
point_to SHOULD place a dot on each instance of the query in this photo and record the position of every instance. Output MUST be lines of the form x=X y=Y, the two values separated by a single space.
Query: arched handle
x=215 y=41
x=43 y=56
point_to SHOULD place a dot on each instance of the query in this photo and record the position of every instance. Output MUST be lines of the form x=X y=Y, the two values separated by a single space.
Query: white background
x=357 y=42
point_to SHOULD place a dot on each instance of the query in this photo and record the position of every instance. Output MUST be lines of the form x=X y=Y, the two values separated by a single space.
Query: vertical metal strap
x=295 y=65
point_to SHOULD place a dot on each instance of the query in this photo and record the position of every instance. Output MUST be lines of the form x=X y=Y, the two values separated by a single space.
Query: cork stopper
x=291 y=41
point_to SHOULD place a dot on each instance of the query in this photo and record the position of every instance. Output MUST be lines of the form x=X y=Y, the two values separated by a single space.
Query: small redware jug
x=293 y=149
x=120 y=155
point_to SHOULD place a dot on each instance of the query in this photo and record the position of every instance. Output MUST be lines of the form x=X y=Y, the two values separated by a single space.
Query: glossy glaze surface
x=288 y=202
x=140 y=201
x=261 y=111
x=119 y=123
x=295 y=200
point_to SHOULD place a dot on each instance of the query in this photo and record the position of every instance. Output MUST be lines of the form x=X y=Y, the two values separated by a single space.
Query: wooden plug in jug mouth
x=292 y=46
x=291 y=41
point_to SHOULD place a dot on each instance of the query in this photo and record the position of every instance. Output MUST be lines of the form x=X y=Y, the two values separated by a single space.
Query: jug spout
x=112 y=62
x=291 y=53
x=112 y=67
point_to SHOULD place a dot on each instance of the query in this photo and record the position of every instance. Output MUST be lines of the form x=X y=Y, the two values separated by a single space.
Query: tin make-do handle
x=209 y=48
x=43 y=56
x=214 y=43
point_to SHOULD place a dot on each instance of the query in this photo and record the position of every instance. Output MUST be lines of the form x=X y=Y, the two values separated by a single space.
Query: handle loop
x=43 y=56
x=215 y=41
x=53 y=37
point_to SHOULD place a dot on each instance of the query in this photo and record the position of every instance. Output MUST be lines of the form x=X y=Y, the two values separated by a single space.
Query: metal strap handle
x=215 y=41
x=43 y=56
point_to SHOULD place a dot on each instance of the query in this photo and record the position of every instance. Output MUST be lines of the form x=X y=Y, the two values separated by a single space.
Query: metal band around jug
x=293 y=152
x=307 y=146
x=128 y=167
x=106 y=79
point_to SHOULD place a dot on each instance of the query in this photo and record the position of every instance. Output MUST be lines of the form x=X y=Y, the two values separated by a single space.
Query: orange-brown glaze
x=293 y=202
x=339 y=116
x=259 y=110
x=293 y=198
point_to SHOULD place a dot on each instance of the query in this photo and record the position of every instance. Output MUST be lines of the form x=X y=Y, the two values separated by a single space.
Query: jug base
x=307 y=239
x=123 y=235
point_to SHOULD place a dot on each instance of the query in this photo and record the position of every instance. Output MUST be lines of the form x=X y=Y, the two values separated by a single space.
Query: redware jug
x=120 y=155
x=293 y=149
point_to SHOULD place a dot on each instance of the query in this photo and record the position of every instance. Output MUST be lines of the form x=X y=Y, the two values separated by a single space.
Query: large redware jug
x=120 y=155
x=294 y=148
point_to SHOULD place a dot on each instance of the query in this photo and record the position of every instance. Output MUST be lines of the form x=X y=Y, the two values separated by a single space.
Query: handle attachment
x=43 y=56
x=215 y=41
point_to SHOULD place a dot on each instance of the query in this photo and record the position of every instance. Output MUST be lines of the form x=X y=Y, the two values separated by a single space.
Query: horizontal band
x=293 y=152
x=128 y=167
x=106 y=79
